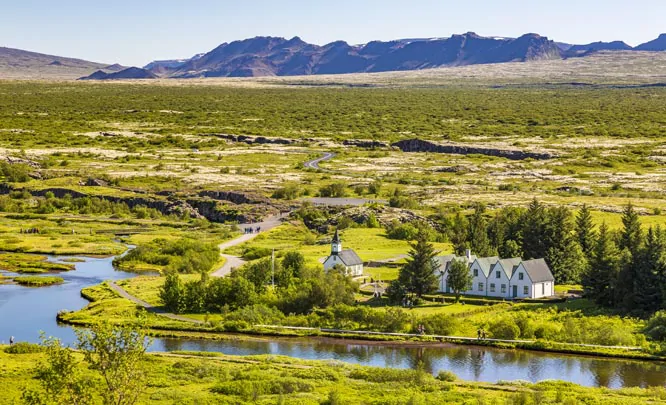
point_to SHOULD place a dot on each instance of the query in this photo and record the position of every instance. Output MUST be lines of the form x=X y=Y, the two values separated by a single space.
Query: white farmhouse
x=502 y=278
x=348 y=258
x=532 y=279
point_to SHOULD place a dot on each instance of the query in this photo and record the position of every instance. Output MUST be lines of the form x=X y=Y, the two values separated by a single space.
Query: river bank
x=191 y=377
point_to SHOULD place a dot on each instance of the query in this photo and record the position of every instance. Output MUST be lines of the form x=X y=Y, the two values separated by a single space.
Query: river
x=24 y=312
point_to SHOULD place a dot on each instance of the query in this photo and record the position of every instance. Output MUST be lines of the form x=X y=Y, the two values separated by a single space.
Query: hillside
x=125 y=74
x=272 y=56
x=20 y=64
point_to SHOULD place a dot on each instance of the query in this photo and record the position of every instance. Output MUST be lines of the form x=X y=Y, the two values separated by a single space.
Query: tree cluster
x=627 y=269
x=286 y=283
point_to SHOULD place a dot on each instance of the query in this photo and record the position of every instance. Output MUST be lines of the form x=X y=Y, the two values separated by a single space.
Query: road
x=314 y=163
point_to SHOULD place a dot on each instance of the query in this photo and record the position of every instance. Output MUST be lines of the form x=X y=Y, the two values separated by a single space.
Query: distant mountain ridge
x=17 y=63
x=273 y=56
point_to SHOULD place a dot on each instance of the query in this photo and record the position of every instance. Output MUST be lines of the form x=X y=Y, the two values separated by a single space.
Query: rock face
x=418 y=145
x=365 y=143
x=248 y=208
x=271 y=56
x=256 y=140
x=658 y=44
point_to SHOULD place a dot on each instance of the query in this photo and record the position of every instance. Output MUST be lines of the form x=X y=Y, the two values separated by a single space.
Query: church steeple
x=336 y=243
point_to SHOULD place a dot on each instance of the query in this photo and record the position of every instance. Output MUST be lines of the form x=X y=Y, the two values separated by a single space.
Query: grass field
x=214 y=378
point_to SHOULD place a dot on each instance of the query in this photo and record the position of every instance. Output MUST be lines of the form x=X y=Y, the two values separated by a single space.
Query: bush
x=446 y=375
x=656 y=326
x=333 y=190
x=504 y=328
x=23 y=348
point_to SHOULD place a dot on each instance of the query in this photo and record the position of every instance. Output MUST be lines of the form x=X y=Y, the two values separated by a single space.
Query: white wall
x=504 y=279
x=521 y=284
x=544 y=289
x=480 y=278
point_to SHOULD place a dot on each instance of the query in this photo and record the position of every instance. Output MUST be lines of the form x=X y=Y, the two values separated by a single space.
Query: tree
x=650 y=266
x=477 y=233
x=375 y=187
x=418 y=274
x=533 y=241
x=563 y=253
x=631 y=235
x=116 y=354
x=459 y=278
x=585 y=230
x=458 y=234
x=60 y=378
x=172 y=293
x=600 y=278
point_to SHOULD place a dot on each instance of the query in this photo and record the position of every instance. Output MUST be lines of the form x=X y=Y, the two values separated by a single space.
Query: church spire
x=336 y=243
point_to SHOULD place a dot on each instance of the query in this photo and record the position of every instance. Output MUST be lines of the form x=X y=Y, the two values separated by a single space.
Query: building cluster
x=502 y=278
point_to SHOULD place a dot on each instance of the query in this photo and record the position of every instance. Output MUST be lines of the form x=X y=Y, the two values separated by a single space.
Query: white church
x=347 y=258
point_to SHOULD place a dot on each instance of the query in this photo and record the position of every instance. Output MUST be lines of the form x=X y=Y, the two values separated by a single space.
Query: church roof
x=349 y=257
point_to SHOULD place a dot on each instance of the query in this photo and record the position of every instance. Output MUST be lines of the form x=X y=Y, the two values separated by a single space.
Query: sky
x=139 y=31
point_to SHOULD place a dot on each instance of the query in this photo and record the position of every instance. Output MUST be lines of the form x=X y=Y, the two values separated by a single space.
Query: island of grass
x=38 y=281
x=33 y=264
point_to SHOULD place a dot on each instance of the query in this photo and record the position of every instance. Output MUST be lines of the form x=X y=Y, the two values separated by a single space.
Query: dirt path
x=232 y=262
x=115 y=287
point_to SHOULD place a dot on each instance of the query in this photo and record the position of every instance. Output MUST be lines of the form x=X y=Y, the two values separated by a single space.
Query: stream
x=25 y=311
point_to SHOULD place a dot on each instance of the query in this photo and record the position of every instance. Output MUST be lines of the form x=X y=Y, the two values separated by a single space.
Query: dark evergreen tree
x=563 y=254
x=631 y=236
x=625 y=291
x=585 y=230
x=533 y=238
x=650 y=263
x=601 y=275
x=477 y=233
x=504 y=232
x=458 y=234
x=418 y=276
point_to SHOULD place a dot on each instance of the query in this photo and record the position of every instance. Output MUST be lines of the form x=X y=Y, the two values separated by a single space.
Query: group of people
x=249 y=229
x=481 y=334
x=29 y=230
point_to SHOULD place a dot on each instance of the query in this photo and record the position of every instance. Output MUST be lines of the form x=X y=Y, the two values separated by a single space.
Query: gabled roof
x=445 y=261
x=349 y=257
x=538 y=270
x=509 y=265
x=486 y=263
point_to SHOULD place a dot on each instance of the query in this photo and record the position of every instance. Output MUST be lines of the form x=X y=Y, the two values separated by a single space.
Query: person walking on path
x=11 y=340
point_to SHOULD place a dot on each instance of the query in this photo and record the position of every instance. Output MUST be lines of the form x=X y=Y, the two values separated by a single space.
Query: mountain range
x=274 y=56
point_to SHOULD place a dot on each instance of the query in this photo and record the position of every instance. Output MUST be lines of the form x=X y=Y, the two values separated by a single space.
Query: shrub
x=333 y=190
x=23 y=348
x=504 y=328
x=446 y=375
x=656 y=326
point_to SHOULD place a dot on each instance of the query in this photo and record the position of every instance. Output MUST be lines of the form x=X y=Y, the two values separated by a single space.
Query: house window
x=543 y=289
x=520 y=276
x=497 y=274
x=526 y=290
x=480 y=286
x=492 y=287
x=503 y=288
x=476 y=273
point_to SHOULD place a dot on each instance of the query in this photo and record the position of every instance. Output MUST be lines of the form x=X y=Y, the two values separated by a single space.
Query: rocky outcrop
x=236 y=197
x=256 y=140
x=365 y=143
x=418 y=145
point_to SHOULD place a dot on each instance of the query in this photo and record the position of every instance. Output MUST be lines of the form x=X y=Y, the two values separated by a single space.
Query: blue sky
x=136 y=32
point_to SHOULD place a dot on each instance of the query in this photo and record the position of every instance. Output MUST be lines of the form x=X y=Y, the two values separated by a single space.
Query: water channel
x=24 y=312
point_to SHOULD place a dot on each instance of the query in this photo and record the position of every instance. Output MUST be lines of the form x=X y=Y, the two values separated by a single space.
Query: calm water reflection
x=25 y=311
